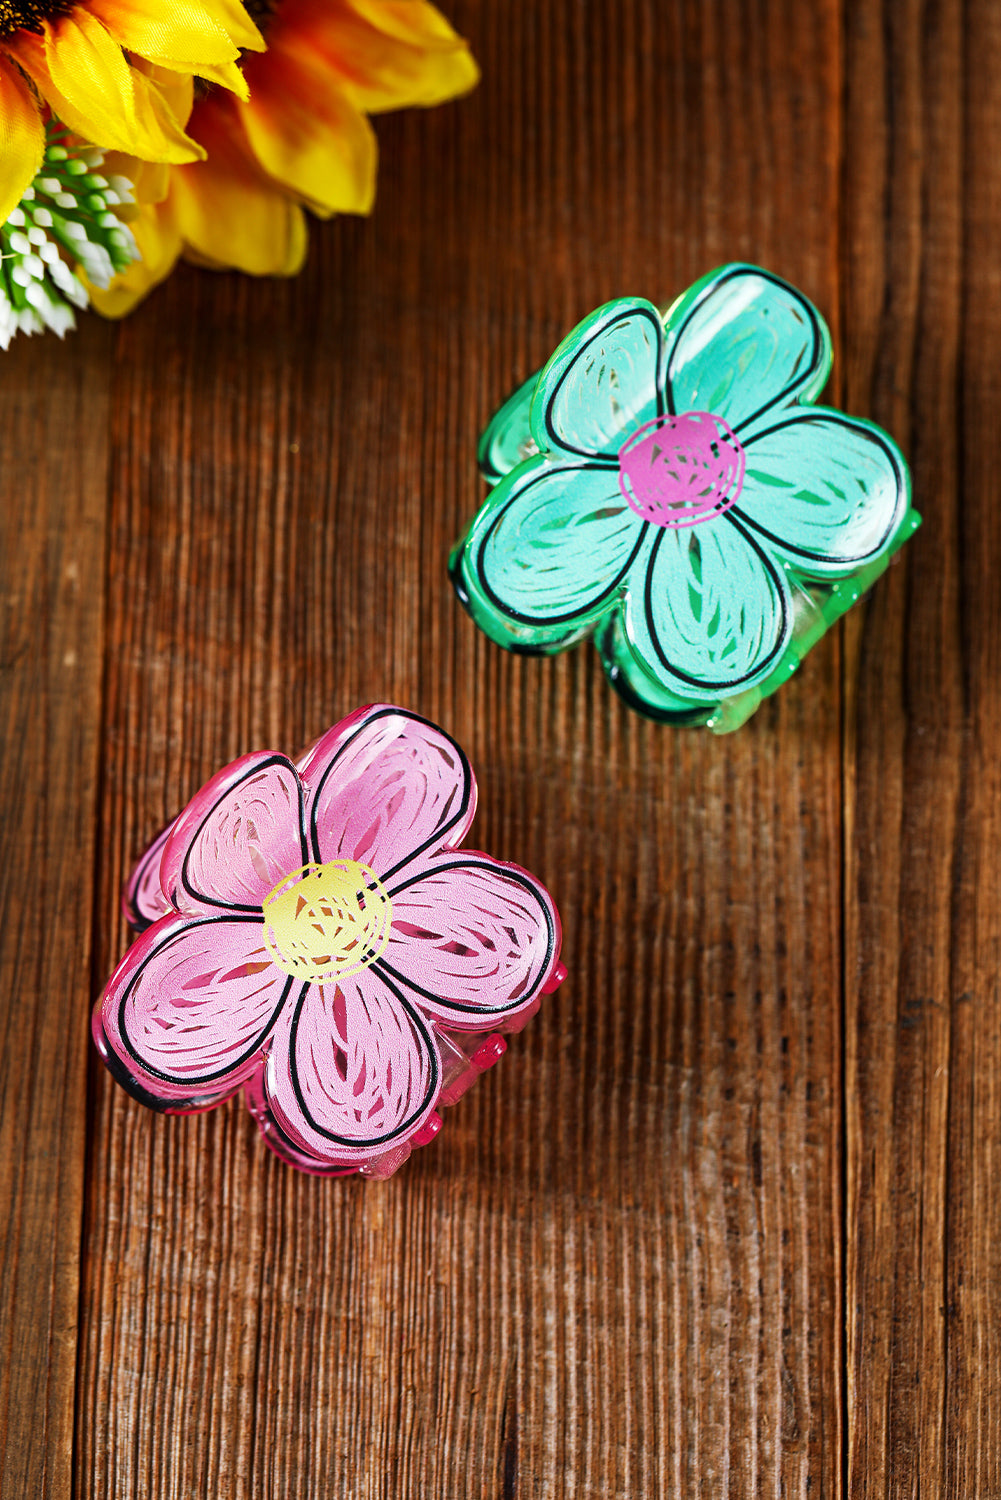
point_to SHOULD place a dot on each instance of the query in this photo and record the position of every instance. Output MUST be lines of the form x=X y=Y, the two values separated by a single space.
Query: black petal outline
x=519 y=878
x=313 y=793
x=710 y=291
x=274 y=759
x=176 y=935
x=133 y=915
x=422 y=1028
x=717 y=689
x=826 y=414
x=620 y=316
x=597 y=467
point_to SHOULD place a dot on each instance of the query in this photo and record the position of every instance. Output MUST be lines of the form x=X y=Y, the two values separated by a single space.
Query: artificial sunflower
x=302 y=138
x=97 y=64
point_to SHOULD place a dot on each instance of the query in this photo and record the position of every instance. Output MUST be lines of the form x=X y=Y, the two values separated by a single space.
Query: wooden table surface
x=724 y=1222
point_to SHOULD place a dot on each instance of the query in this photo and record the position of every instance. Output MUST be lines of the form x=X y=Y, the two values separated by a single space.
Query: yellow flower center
x=324 y=922
x=28 y=15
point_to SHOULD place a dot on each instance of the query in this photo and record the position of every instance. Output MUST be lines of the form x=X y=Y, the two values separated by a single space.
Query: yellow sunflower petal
x=150 y=179
x=183 y=34
x=309 y=137
x=409 y=20
x=381 y=65
x=159 y=243
x=158 y=122
x=227 y=75
x=177 y=89
x=229 y=217
x=82 y=73
x=22 y=137
x=237 y=24
x=281 y=251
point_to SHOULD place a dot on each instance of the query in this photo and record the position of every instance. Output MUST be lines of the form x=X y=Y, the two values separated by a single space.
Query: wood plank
x=617 y=1272
x=972 y=1416
x=55 y=403
x=922 y=325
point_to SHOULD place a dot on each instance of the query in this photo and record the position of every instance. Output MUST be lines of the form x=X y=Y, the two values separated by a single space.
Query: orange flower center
x=324 y=922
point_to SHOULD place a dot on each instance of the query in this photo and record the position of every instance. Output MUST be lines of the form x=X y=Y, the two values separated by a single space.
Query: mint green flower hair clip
x=667 y=485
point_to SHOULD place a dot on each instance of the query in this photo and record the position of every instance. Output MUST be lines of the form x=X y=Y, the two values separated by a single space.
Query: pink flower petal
x=355 y=1070
x=237 y=837
x=472 y=939
x=383 y=786
x=143 y=901
x=190 y=1006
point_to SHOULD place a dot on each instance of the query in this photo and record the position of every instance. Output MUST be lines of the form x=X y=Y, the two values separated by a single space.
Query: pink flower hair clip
x=314 y=934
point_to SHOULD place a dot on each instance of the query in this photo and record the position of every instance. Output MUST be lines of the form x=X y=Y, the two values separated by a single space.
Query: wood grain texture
x=922 y=310
x=617 y=1273
x=903 y=778
x=723 y=1223
x=52 y=535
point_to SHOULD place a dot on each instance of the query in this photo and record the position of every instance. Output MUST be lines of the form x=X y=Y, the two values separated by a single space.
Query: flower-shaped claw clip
x=314 y=934
x=666 y=484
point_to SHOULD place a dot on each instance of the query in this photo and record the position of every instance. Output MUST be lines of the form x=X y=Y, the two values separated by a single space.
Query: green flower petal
x=826 y=491
x=711 y=615
x=548 y=553
x=507 y=439
x=741 y=342
x=605 y=379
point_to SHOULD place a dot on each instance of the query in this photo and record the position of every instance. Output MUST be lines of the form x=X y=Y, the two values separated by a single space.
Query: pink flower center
x=680 y=471
x=324 y=922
